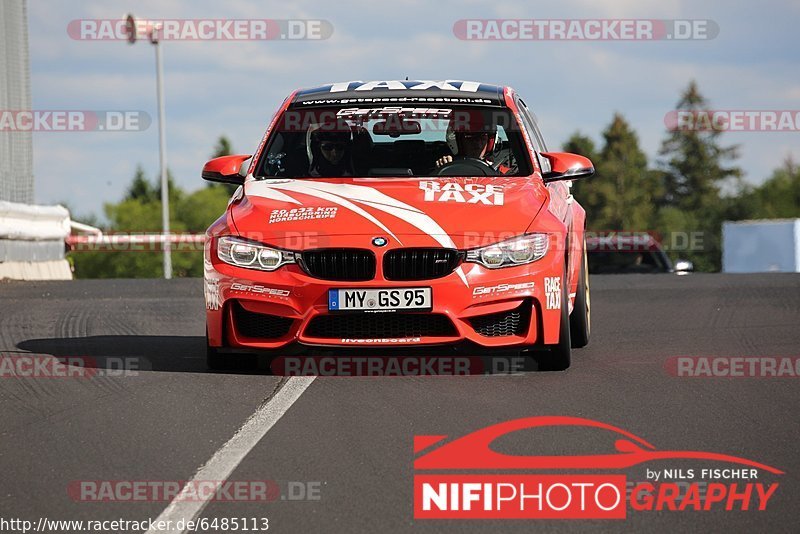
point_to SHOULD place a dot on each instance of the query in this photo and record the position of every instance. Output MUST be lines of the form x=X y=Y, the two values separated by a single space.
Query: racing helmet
x=467 y=122
x=337 y=132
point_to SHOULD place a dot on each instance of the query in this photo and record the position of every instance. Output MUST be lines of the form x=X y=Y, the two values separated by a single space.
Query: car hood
x=450 y=212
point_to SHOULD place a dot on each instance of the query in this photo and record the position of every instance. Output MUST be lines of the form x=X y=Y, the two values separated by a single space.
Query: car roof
x=400 y=92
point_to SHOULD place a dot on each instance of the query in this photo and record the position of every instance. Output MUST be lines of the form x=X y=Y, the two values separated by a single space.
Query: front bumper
x=506 y=307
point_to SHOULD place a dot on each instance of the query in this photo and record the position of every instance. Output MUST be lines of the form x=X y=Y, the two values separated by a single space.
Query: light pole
x=153 y=35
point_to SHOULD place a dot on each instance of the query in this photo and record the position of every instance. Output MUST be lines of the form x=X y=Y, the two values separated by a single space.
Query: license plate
x=407 y=298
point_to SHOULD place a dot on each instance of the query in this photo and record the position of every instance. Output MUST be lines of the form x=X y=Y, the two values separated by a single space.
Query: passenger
x=329 y=150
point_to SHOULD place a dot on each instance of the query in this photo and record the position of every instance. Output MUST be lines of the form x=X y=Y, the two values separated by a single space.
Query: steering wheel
x=467 y=167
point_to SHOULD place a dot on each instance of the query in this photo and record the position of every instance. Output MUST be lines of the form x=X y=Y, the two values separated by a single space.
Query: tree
x=693 y=160
x=175 y=192
x=140 y=188
x=628 y=189
x=779 y=196
x=693 y=169
x=140 y=212
x=199 y=209
x=586 y=190
x=621 y=194
x=222 y=148
x=582 y=145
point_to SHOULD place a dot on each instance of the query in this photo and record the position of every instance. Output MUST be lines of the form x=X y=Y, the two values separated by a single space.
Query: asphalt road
x=347 y=441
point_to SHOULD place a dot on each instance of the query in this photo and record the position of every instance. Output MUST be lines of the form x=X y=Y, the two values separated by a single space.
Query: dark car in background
x=627 y=253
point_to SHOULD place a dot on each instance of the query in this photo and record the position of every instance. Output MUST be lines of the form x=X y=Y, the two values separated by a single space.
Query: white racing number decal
x=259 y=290
x=421 y=98
x=211 y=287
x=301 y=214
x=502 y=288
x=552 y=291
x=396 y=85
x=488 y=194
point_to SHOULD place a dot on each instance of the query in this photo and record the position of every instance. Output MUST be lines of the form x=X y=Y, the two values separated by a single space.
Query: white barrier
x=36 y=270
x=32 y=242
x=761 y=246
x=33 y=223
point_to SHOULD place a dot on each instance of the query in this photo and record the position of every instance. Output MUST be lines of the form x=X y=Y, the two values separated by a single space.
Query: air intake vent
x=419 y=263
x=508 y=323
x=260 y=325
x=380 y=325
x=339 y=264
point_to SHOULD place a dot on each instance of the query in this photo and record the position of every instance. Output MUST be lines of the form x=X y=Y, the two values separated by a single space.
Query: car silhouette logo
x=473 y=451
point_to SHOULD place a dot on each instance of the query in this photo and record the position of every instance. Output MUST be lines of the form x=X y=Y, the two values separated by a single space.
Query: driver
x=467 y=145
x=329 y=150
x=469 y=141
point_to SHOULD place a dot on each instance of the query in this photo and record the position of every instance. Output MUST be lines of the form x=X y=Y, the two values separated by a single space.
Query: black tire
x=226 y=361
x=559 y=356
x=580 y=320
x=214 y=360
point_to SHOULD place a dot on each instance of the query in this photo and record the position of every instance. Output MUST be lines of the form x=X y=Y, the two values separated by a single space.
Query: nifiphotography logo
x=467 y=478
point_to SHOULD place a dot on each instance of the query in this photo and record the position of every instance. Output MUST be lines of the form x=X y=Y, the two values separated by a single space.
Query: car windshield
x=395 y=141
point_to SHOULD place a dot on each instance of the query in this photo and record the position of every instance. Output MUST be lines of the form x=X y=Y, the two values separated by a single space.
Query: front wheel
x=226 y=361
x=560 y=355
x=215 y=361
x=580 y=320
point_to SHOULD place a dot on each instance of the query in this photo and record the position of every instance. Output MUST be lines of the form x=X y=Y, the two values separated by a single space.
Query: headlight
x=517 y=251
x=250 y=255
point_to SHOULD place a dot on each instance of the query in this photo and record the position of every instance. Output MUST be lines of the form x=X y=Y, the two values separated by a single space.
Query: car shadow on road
x=119 y=353
x=116 y=352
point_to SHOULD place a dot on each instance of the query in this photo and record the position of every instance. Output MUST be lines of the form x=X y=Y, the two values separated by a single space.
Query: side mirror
x=684 y=266
x=566 y=166
x=226 y=169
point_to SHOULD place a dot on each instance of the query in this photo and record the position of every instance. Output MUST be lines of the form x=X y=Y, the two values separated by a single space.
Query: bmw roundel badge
x=379 y=241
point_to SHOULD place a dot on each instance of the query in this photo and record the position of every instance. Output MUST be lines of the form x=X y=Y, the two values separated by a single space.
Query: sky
x=215 y=88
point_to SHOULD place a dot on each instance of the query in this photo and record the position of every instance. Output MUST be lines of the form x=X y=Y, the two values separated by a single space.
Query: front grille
x=260 y=325
x=508 y=323
x=380 y=325
x=340 y=264
x=419 y=263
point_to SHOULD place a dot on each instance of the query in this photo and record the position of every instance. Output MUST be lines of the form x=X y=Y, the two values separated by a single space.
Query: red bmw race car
x=399 y=213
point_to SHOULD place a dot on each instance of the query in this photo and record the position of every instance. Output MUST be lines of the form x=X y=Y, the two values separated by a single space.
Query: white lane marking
x=228 y=457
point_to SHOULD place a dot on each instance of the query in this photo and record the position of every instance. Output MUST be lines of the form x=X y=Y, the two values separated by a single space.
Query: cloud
x=232 y=88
